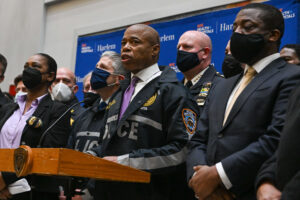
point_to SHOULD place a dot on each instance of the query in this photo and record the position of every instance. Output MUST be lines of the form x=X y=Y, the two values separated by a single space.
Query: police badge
x=22 y=160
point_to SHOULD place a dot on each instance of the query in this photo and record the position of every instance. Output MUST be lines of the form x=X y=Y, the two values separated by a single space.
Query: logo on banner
x=205 y=29
x=166 y=38
x=107 y=47
x=86 y=49
x=288 y=14
x=174 y=67
x=226 y=27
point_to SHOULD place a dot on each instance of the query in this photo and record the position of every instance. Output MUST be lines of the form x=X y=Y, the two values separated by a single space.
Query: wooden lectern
x=66 y=162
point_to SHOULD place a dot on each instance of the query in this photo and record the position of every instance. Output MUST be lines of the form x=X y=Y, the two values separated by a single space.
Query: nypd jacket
x=151 y=135
x=86 y=129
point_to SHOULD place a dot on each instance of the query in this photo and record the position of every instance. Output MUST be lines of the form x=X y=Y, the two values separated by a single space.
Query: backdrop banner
x=218 y=25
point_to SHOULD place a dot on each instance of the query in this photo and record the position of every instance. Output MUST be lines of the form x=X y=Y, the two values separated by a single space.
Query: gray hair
x=86 y=76
x=116 y=60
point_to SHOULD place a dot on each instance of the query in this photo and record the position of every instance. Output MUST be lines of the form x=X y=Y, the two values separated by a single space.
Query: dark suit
x=252 y=130
x=208 y=79
x=283 y=169
x=4 y=99
x=48 y=111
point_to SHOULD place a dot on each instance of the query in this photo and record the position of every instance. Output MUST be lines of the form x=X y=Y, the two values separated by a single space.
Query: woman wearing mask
x=24 y=122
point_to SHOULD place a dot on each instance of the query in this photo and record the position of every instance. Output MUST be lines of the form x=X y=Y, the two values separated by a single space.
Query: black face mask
x=89 y=98
x=231 y=66
x=246 y=47
x=187 y=60
x=31 y=77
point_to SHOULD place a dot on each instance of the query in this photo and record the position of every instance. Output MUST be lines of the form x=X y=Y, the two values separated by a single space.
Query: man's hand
x=205 y=181
x=220 y=194
x=4 y=194
x=268 y=191
x=111 y=158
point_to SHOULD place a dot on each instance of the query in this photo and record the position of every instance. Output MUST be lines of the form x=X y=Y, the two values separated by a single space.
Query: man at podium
x=149 y=121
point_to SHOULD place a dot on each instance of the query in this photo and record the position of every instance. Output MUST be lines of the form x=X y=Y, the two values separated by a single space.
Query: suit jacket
x=4 y=99
x=48 y=111
x=283 y=169
x=200 y=90
x=252 y=130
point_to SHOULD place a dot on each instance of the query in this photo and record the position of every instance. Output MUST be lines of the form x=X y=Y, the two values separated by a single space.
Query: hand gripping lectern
x=66 y=162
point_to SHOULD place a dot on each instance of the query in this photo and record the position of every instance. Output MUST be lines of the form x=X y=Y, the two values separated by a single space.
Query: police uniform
x=76 y=111
x=203 y=84
x=151 y=135
x=86 y=129
x=85 y=134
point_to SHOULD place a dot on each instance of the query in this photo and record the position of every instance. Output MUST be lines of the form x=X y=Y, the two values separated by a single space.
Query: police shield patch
x=190 y=120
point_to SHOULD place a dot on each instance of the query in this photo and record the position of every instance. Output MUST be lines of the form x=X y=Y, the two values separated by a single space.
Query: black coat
x=3 y=99
x=48 y=111
x=283 y=169
x=252 y=130
x=152 y=134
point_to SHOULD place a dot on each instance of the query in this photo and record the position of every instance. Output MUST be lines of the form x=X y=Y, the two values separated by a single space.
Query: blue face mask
x=98 y=79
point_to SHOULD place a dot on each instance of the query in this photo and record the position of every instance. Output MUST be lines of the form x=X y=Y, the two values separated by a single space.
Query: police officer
x=105 y=80
x=193 y=60
x=149 y=121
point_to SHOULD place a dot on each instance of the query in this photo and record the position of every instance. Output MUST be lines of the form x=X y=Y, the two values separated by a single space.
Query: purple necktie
x=127 y=95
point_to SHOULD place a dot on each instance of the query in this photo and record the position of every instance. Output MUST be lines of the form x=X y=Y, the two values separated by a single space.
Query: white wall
x=28 y=27
x=21 y=34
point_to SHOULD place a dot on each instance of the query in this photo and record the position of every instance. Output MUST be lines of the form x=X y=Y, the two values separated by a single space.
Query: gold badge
x=110 y=104
x=22 y=160
x=150 y=101
x=31 y=120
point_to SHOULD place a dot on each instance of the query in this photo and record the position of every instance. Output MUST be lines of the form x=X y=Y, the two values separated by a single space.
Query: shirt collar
x=261 y=64
x=197 y=77
x=147 y=73
x=35 y=102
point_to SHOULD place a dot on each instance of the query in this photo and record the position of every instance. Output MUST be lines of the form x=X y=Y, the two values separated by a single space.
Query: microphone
x=55 y=122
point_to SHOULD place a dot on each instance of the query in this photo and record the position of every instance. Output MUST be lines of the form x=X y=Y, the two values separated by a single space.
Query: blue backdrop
x=218 y=25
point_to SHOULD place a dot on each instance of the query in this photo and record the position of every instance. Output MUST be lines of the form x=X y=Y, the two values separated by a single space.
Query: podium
x=66 y=162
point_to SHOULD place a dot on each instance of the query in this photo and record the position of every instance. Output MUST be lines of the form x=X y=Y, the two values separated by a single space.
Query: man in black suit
x=240 y=128
x=279 y=177
x=3 y=65
x=24 y=122
x=193 y=60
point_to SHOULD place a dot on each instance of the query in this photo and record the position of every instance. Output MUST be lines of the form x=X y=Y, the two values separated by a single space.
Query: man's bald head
x=148 y=32
x=197 y=38
x=66 y=72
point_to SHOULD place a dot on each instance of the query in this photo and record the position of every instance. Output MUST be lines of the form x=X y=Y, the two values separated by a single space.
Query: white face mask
x=20 y=93
x=61 y=92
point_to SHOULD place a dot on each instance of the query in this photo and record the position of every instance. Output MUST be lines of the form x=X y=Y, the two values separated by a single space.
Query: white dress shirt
x=196 y=78
x=145 y=76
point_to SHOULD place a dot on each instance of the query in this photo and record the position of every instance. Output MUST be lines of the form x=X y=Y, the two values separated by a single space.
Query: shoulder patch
x=190 y=120
x=151 y=100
